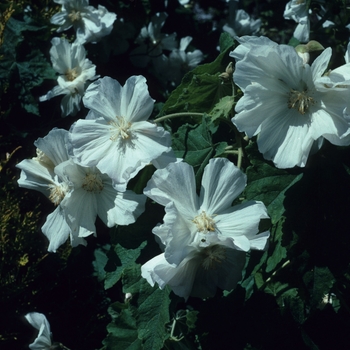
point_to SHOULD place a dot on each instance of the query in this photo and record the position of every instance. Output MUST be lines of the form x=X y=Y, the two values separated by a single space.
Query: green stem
x=232 y=152
x=176 y=115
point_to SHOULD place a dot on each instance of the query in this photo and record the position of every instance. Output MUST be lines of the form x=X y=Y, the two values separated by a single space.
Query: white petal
x=136 y=103
x=175 y=183
x=181 y=236
x=241 y=224
x=330 y=126
x=184 y=42
x=126 y=206
x=222 y=182
x=165 y=159
x=302 y=31
x=285 y=139
x=56 y=229
x=81 y=211
x=257 y=104
x=103 y=97
x=39 y=321
x=35 y=176
x=70 y=104
x=320 y=64
x=54 y=145
x=90 y=141
x=260 y=241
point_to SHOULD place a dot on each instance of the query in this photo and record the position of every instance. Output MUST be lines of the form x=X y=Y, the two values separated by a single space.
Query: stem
x=172 y=336
x=176 y=115
x=233 y=152
x=239 y=149
x=286 y=263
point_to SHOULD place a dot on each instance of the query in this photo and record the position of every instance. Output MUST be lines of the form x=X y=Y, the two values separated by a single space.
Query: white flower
x=116 y=136
x=200 y=273
x=152 y=41
x=196 y=222
x=298 y=11
x=74 y=69
x=239 y=22
x=91 y=24
x=43 y=340
x=179 y=62
x=288 y=103
x=80 y=194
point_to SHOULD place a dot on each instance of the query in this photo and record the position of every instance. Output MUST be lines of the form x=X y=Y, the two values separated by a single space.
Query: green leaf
x=122 y=259
x=150 y=307
x=194 y=144
x=323 y=281
x=268 y=184
x=226 y=41
x=223 y=108
x=200 y=88
x=19 y=71
x=191 y=319
x=100 y=262
x=122 y=331
x=279 y=252
x=142 y=323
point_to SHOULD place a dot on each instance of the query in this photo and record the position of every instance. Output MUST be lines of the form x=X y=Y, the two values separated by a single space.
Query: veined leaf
x=194 y=144
x=200 y=88
x=268 y=184
x=122 y=259
x=149 y=306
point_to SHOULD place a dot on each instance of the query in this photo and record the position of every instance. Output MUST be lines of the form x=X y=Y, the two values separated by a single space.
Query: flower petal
x=39 y=321
x=136 y=104
x=222 y=182
x=175 y=183
x=56 y=229
x=241 y=223
x=103 y=97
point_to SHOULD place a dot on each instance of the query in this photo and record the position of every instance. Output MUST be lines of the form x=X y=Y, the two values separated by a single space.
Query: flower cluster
x=289 y=105
x=79 y=193
x=203 y=237
x=152 y=47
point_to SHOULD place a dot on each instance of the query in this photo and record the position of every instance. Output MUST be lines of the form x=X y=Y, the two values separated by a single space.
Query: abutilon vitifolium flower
x=74 y=70
x=298 y=11
x=90 y=24
x=290 y=105
x=204 y=237
x=152 y=42
x=116 y=136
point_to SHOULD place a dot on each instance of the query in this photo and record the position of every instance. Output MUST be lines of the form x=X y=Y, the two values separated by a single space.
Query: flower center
x=301 y=101
x=92 y=183
x=204 y=222
x=58 y=192
x=212 y=256
x=71 y=74
x=74 y=16
x=120 y=127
